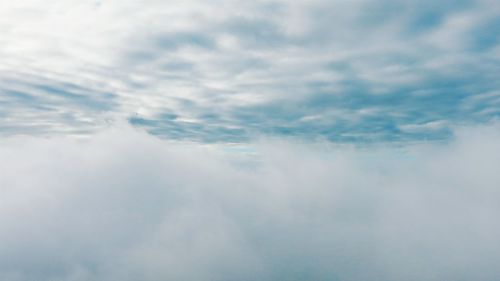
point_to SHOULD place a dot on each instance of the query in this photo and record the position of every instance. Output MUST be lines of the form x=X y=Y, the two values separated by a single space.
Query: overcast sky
x=249 y=140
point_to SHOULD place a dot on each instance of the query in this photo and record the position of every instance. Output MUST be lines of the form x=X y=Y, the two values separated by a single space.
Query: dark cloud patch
x=182 y=39
x=257 y=32
x=156 y=47
x=205 y=132
x=85 y=98
x=179 y=65
x=51 y=107
x=426 y=16
x=352 y=113
x=485 y=36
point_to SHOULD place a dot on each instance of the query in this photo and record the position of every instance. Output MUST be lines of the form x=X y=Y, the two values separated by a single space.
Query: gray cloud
x=35 y=105
x=123 y=205
x=335 y=69
x=298 y=140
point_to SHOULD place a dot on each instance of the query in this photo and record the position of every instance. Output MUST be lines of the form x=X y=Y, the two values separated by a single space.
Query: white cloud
x=123 y=205
x=152 y=56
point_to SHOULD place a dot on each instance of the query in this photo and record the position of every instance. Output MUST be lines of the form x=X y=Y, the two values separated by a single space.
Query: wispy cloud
x=249 y=140
x=230 y=72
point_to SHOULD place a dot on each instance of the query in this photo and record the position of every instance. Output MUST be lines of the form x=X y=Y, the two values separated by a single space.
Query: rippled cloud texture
x=230 y=71
x=125 y=206
x=266 y=140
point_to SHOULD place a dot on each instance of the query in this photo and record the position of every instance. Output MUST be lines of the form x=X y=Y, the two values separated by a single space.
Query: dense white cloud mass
x=123 y=205
x=288 y=140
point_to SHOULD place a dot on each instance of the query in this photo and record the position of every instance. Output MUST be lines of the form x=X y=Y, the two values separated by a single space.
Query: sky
x=249 y=140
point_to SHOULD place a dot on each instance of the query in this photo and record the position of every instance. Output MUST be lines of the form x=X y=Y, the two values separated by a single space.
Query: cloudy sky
x=249 y=140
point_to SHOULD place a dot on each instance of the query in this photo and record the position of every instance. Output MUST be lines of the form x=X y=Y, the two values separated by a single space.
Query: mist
x=124 y=205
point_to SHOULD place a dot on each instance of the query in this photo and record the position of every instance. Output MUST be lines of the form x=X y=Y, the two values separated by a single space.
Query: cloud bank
x=123 y=205
x=225 y=71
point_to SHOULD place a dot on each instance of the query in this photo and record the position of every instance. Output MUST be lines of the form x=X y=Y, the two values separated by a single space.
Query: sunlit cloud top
x=231 y=71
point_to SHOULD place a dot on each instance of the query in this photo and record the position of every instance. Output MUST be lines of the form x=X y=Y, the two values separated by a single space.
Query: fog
x=124 y=205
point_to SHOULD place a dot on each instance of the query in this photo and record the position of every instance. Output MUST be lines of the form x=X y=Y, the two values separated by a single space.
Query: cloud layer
x=259 y=140
x=346 y=71
x=123 y=205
